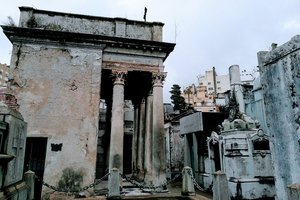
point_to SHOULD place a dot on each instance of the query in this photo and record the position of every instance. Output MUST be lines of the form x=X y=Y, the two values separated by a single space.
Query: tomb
x=63 y=66
x=241 y=150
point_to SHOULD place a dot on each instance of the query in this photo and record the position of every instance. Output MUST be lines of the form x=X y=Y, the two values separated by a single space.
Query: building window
x=208 y=83
x=201 y=83
x=210 y=88
x=219 y=88
x=218 y=82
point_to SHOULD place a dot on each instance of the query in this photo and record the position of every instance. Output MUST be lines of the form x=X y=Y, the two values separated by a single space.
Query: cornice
x=20 y=33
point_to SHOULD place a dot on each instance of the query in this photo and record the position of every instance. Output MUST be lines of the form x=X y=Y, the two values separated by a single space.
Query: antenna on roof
x=145 y=13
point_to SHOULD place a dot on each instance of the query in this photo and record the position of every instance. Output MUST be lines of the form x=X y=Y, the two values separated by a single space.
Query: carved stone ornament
x=158 y=78
x=119 y=77
x=214 y=138
x=233 y=109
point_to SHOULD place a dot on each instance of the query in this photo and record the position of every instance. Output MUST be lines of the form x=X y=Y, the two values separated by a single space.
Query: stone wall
x=58 y=89
x=280 y=81
x=255 y=107
x=174 y=147
x=118 y=27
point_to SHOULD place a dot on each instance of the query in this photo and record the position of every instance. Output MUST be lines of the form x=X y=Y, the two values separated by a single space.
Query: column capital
x=119 y=76
x=158 y=79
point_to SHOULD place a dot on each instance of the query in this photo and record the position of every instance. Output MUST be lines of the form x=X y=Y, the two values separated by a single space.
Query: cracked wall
x=58 y=89
x=280 y=80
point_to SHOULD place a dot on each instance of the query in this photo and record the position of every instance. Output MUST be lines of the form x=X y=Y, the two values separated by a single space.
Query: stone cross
x=17 y=145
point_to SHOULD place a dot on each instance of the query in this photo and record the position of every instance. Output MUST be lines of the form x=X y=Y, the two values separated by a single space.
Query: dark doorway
x=35 y=155
x=217 y=160
x=101 y=147
x=190 y=143
x=127 y=154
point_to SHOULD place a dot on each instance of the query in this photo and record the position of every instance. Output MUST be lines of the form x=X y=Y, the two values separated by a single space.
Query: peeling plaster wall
x=280 y=79
x=58 y=89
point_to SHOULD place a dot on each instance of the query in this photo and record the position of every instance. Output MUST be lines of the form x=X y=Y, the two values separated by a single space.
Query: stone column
x=236 y=86
x=117 y=122
x=148 y=139
x=107 y=131
x=195 y=155
x=29 y=178
x=220 y=188
x=114 y=184
x=158 y=145
x=141 y=141
x=187 y=152
x=135 y=137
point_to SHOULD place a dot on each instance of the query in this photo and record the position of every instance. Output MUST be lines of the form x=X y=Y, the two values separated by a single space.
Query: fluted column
x=141 y=141
x=158 y=145
x=148 y=139
x=117 y=122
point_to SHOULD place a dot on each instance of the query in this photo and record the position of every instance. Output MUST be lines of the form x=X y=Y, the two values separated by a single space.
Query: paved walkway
x=129 y=192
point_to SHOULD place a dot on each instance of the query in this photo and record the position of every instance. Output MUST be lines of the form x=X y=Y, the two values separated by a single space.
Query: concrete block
x=188 y=188
x=114 y=184
x=294 y=191
x=220 y=188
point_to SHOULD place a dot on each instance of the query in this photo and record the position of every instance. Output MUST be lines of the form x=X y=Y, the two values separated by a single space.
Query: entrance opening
x=127 y=156
x=191 y=151
x=217 y=160
x=103 y=139
x=35 y=155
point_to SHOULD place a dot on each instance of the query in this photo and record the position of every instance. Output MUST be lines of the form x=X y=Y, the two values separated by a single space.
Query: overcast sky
x=207 y=33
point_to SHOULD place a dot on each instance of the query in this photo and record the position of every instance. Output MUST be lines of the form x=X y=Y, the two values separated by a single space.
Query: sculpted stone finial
x=158 y=78
x=237 y=119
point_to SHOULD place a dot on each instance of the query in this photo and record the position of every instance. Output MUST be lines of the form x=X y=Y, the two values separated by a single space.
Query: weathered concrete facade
x=62 y=64
x=174 y=146
x=245 y=158
x=280 y=82
x=255 y=107
x=238 y=148
x=244 y=149
x=196 y=128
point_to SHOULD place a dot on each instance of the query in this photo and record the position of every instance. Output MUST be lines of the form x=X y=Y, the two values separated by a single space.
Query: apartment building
x=205 y=95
